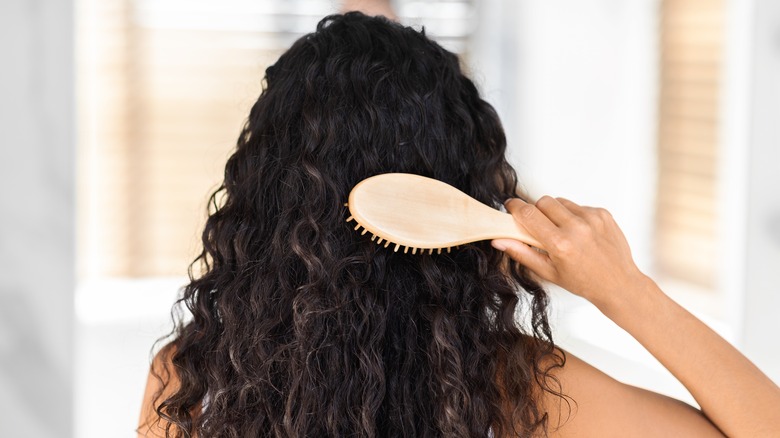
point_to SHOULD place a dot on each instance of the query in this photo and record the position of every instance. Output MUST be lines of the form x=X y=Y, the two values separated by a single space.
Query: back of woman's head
x=303 y=327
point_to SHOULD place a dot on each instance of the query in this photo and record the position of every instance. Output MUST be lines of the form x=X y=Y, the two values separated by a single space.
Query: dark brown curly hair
x=300 y=326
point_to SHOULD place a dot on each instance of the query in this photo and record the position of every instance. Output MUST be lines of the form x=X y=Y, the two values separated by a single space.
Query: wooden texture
x=415 y=213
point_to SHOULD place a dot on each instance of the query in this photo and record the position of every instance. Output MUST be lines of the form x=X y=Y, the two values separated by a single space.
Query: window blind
x=164 y=87
x=691 y=41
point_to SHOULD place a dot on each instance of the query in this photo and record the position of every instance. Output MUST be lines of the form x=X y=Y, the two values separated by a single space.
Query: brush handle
x=494 y=224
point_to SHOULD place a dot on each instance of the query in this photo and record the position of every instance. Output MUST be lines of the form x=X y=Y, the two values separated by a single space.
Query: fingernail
x=501 y=246
x=514 y=199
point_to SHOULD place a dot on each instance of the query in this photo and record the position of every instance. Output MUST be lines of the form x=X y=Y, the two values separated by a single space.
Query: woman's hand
x=585 y=251
x=587 y=254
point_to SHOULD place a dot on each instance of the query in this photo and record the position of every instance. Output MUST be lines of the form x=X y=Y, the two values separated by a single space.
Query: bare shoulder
x=599 y=406
x=161 y=382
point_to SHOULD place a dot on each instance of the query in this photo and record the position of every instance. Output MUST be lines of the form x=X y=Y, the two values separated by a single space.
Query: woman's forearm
x=732 y=392
x=586 y=253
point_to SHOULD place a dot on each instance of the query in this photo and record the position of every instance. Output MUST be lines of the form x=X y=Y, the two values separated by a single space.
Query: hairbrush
x=417 y=213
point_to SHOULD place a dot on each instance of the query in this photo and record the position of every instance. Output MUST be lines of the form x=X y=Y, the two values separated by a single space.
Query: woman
x=302 y=327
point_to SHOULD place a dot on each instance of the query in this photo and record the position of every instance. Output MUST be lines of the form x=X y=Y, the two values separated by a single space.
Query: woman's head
x=302 y=326
x=363 y=96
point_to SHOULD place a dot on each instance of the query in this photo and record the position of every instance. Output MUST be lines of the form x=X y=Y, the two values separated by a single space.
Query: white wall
x=575 y=83
x=760 y=329
x=588 y=102
x=117 y=323
x=36 y=221
x=579 y=103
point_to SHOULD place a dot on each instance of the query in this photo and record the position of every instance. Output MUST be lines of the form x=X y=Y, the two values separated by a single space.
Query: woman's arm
x=602 y=407
x=150 y=425
x=587 y=254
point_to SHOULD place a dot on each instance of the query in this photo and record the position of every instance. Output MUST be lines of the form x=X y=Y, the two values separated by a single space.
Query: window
x=691 y=44
x=165 y=86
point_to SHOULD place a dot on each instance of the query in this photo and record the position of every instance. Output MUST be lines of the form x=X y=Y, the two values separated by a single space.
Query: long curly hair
x=299 y=325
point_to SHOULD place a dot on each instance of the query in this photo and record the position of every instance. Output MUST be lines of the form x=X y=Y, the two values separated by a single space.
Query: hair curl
x=301 y=326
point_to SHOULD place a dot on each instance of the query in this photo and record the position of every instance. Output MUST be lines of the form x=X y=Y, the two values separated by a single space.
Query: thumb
x=527 y=256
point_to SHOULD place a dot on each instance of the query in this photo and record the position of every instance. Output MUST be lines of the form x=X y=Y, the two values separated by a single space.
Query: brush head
x=423 y=214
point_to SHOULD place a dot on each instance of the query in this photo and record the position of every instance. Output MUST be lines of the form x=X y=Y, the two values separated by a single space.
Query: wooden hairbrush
x=418 y=213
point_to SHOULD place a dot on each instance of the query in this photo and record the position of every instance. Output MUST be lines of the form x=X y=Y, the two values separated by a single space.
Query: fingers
x=552 y=221
x=555 y=210
x=534 y=260
x=532 y=219
x=597 y=217
x=585 y=251
x=572 y=206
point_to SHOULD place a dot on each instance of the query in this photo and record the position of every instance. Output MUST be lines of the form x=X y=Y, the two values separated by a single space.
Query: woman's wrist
x=624 y=298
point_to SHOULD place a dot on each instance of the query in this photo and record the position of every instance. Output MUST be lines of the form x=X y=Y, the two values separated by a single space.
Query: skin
x=587 y=254
x=148 y=426
x=369 y=7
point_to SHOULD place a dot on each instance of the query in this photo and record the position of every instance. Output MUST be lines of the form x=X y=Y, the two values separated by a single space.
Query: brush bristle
x=397 y=246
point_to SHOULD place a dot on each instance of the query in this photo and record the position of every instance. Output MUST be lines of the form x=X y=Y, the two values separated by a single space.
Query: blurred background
x=117 y=116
